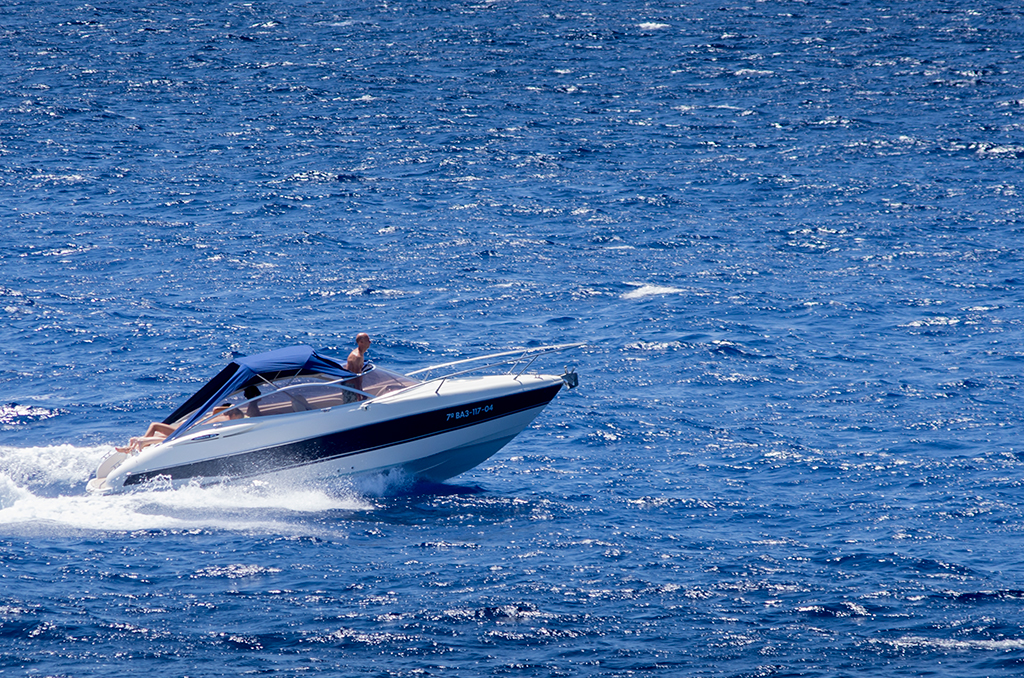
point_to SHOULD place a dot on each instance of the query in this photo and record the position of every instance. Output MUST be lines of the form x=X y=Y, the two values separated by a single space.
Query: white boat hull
x=432 y=431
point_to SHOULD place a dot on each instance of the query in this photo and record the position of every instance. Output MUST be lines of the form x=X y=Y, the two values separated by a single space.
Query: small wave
x=61 y=179
x=646 y=290
x=14 y=414
x=316 y=176
x=370 y=291
x=937 y=321
x=348 y=636
x=511 y=612
x=956 y=644
x=236 y=571
x=984 y=596
x=655 y=345
x=989 y=150
x=844 y=609
x=730 y=348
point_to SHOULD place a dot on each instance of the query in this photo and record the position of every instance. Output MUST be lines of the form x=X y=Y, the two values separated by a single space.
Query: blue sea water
x=790 y=233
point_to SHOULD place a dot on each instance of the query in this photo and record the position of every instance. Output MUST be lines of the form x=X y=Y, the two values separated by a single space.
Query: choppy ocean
x=790 y=232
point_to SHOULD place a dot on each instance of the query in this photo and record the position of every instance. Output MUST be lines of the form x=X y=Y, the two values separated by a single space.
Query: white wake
x=43 y=489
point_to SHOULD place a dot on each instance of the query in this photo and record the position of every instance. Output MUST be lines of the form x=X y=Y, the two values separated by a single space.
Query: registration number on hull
x=469 y=413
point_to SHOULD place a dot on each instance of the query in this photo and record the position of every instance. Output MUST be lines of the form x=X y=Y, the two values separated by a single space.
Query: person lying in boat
x=158 y=431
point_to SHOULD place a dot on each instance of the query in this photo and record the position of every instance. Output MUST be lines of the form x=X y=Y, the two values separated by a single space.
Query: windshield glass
x=380 y=381
x=303 y=393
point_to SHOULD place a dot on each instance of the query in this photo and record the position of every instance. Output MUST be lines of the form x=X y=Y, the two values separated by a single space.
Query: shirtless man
x=354 y=363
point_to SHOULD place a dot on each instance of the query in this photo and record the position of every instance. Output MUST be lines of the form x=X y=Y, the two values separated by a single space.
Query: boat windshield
x=379 y=381
x=305 y=392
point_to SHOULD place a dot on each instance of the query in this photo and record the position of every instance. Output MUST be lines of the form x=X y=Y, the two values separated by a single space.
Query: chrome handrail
x=523 y=352
x=531 y=353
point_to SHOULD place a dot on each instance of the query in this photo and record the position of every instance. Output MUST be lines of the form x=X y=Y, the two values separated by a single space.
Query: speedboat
x=294 y=410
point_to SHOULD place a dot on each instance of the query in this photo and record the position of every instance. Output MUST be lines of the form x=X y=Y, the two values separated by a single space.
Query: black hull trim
x=355 y=441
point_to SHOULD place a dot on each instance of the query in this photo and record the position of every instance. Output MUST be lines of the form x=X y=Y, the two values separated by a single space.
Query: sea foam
x=43 y=488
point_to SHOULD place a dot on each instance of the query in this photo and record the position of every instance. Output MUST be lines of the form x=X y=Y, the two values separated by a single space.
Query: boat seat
x=299 y=404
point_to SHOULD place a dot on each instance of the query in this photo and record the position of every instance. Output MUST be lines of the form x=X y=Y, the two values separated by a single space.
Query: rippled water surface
x=789 y=232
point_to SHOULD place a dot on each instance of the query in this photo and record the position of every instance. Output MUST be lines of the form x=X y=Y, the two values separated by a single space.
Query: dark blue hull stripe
x=354 y=441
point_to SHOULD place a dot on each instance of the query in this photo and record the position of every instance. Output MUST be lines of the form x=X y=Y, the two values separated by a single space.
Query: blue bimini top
x=254 y=369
